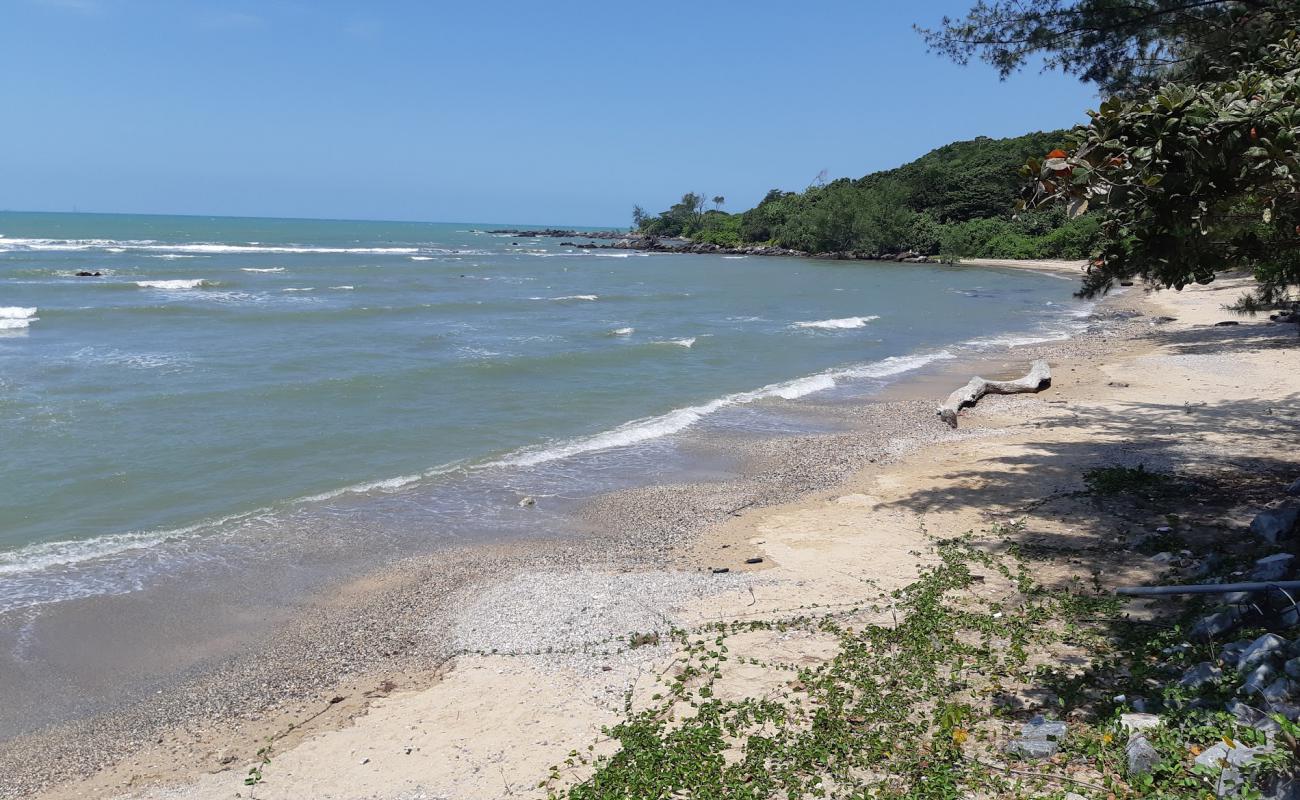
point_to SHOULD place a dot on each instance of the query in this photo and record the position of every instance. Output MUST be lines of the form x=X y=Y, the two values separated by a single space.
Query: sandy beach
x=470 y=677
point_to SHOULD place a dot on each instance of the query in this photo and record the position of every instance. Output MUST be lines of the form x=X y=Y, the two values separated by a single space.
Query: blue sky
x=557 y=112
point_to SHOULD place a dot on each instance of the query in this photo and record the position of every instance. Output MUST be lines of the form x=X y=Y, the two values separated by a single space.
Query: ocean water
x=229 y=385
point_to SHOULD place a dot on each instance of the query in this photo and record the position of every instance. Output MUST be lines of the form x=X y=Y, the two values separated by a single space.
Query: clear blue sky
x=556 y=112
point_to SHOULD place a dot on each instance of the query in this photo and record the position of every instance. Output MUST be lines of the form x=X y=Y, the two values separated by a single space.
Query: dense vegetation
x=958 y=200
x=1194 y=160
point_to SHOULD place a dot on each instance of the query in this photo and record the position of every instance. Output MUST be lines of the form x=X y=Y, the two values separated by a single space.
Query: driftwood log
x=1038 y=379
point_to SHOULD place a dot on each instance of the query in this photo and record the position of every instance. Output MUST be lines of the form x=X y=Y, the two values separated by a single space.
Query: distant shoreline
x=632 y=240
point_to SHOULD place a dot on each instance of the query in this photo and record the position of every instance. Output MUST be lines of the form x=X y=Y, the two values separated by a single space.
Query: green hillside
x=956 y=200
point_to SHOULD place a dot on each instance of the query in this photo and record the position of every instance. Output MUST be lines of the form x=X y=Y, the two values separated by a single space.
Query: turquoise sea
x=400 y=384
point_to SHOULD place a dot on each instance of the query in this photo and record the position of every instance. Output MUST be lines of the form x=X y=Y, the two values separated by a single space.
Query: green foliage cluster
x=957 y=200
x=1195 y=178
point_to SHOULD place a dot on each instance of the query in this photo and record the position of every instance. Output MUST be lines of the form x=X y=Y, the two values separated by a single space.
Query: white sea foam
x=344 y=287
x=15 y=324
x=187 y=283
x=836 y=324
x=421 y=258
x=173 y=256
x=299 y=289
x=687 y=342
x=17 y=312
x=190 y=248
x=735 y=256
x=622 y=332
x=680 y=419
x=1018 y=340
x=261 y=269
x=569 y=297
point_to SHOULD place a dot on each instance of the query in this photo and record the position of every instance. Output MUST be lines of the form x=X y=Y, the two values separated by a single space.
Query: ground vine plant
x=916 y=699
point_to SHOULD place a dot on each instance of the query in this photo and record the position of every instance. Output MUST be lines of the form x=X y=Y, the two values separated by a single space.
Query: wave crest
x=844 y=323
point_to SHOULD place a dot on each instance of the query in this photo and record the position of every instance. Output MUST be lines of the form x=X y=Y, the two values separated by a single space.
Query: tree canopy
x=1123 y=46
x=1193 y=160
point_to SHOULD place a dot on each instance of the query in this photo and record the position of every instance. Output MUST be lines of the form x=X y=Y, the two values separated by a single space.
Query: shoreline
x=678 y=528
x=633 y=240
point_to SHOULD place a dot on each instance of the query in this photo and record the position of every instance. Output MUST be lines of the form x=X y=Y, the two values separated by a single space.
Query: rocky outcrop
x=617 y=240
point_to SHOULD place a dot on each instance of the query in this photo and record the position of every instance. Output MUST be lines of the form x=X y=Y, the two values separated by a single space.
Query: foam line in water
x=17 y=312
x=836 y=324
x=261 y=269
x=682 y=418
x=187 y=283
x=622 y=332
x=202 y=248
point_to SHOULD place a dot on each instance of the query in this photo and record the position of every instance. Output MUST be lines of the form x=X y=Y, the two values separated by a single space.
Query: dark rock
x=1142 y=756
x=1283 y=787
x=84 y=274
x=1279 y=691
x=720 y=570
x=1252 y=717
x=1258 y=679
x=1126 y=283
x=1200 y=675
x=1294 y=488
x=1273 y=568
x=1276 y=524
x=1226 y=323
x=1215 y=625
x=754 y=560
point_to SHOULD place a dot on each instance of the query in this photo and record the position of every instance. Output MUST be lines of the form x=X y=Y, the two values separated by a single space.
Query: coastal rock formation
x=1039 y=378
x=618 y=240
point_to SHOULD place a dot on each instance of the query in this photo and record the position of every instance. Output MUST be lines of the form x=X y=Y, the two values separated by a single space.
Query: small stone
x=1164 y=558
x=365 y=761
x=754 y=560
x=721 y=570
x=1142 y=756
x=1200 y=675
x=1138 y=722
x=1276 y=524
x=527 y=501
x=1227 y=323
x=1032 y=748
x=1294 y=488
x=1039 y=738
x=1292 y=667
x=1266 y=647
